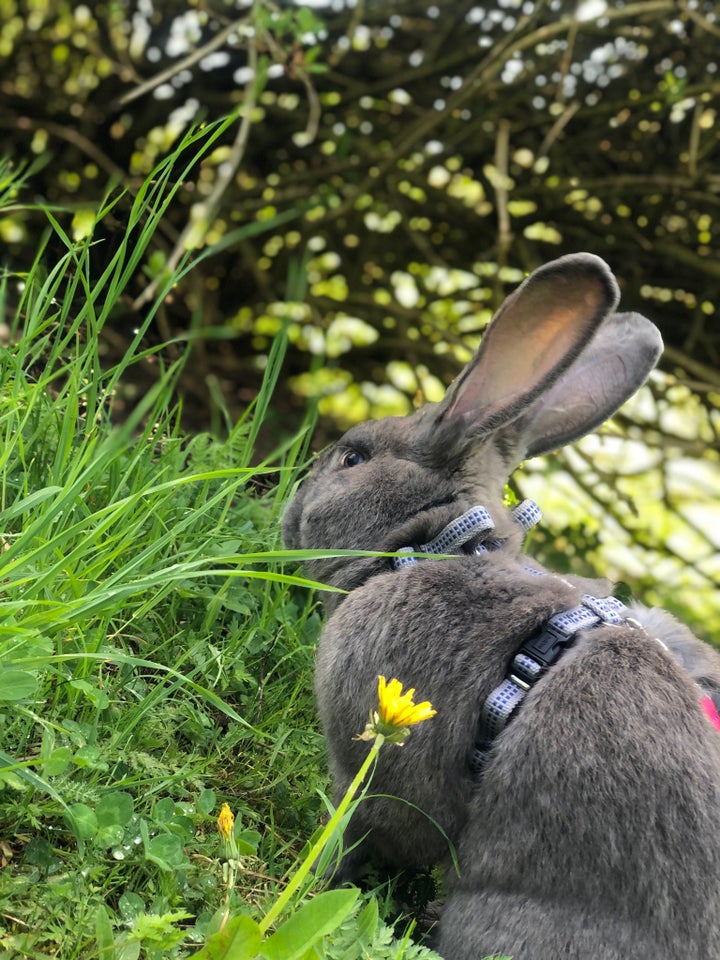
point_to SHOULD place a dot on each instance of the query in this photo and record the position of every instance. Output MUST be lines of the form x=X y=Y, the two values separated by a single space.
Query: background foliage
x=155 y=659
x=406 y=163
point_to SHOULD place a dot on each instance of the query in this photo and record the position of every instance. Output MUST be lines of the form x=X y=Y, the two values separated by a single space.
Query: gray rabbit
x=589 y=825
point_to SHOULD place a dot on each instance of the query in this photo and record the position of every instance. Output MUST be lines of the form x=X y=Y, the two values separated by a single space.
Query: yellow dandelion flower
x=396 y=712
x=397 y=709
x=226 y=822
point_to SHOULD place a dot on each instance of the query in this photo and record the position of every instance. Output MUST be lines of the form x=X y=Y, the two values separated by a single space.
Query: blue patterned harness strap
x=474 y=524
x=532 y=660
x=535 y=655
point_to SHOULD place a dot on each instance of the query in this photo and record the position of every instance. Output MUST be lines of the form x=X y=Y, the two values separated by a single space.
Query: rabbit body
x=595 y=827
x=595 y=830
x=476 y=610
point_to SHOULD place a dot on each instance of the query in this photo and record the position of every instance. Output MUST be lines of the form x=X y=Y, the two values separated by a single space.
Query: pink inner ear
x=535 y=335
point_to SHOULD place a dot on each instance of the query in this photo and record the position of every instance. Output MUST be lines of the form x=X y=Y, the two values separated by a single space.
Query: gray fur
x=595 y=830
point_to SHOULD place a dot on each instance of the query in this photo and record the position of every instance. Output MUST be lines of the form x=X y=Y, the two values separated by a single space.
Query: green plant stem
x=280 y=904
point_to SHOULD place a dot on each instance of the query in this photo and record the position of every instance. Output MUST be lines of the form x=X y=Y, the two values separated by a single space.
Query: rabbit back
x=602 y=795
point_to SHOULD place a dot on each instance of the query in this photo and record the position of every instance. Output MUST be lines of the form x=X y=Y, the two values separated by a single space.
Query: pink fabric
x=710 y=711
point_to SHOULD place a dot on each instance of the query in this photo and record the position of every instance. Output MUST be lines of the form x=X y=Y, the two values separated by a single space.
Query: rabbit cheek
x=291 y=523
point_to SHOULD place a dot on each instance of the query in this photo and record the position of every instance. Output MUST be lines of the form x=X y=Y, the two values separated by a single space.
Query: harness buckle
x=545 y=647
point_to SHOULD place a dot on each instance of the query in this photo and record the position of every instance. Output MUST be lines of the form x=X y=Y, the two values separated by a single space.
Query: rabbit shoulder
x=595 y=830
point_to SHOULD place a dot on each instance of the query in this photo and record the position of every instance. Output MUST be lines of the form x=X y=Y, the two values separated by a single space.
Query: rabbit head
x=555 y=362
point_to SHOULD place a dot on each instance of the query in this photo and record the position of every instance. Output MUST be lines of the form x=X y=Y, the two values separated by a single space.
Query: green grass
x=155 y=654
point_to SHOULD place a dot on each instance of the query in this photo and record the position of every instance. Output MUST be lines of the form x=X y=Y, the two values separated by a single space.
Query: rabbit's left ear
x=534 y=337
x=615 y=364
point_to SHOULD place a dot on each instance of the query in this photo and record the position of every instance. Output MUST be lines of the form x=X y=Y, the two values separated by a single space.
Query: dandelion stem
x=317 y=847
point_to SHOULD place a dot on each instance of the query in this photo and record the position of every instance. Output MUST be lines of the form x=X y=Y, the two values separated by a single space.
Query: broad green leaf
x=130 y=905
x=16 y=684
x=96 y=696
x=40 y=853
x=183 y=827
x=315 y=952
x=114 y=809
x=127 y=950
x=206 y=802
x=109 y=836
x=164 y=810
x=247 y=842
x=239 y=939
x=313 y=920
x=104 y=934
x=57 y=762
x=83 y=821
x=166 y=851
x=89 y=756
x=367 y=922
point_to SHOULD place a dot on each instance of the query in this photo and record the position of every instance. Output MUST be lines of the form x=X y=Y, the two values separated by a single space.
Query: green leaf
x=367 y=923
x=131 y=905
x=166 y=851
x=114 y=809
x=89 y=756
x=247 y=842
x=239 y=939
x=40 y=853
x=82 y=821
x=109 y=836
x=155 y=930
x=57 y=762
x=316 y=952
x=97 y=697
x=16 y=684
x=313 y=920
x=207 y=802
x=164 y=810
x=104 y=934
x=30 y=502
x=128 y=950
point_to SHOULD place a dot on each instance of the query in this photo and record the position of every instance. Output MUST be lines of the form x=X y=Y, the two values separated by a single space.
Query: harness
x=470 y=534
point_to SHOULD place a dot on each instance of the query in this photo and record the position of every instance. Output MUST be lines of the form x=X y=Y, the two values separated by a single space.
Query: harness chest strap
x=533 y=658
x=536 y=655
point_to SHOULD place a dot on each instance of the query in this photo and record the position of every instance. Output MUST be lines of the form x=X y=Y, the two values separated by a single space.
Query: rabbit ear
x=611 y=368
x=537 y=333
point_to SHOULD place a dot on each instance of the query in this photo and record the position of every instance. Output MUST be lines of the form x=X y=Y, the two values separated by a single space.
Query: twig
x=206 y=209
x=297 y=70
x=566 y=61
x=501 y=187
x=700 y=20
x=694 y=142
x=554 y=132
x=698 y=369
x=190 y=60
x=71 y=136
x=355 y=20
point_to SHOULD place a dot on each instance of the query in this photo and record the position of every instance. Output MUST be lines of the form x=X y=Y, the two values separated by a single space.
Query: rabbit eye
x=351 y=458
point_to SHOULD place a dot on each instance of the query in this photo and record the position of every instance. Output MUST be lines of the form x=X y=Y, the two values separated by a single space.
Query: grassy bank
x=155 y=645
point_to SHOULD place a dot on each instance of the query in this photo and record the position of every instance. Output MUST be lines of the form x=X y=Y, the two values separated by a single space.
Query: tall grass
x=155 y=657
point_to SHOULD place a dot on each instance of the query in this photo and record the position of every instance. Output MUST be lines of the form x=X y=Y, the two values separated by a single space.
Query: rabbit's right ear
x=534 y=337
x=608 y=372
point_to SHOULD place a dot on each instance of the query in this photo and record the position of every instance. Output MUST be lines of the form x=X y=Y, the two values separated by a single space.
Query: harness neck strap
x=470 y=534
x=473 y=526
